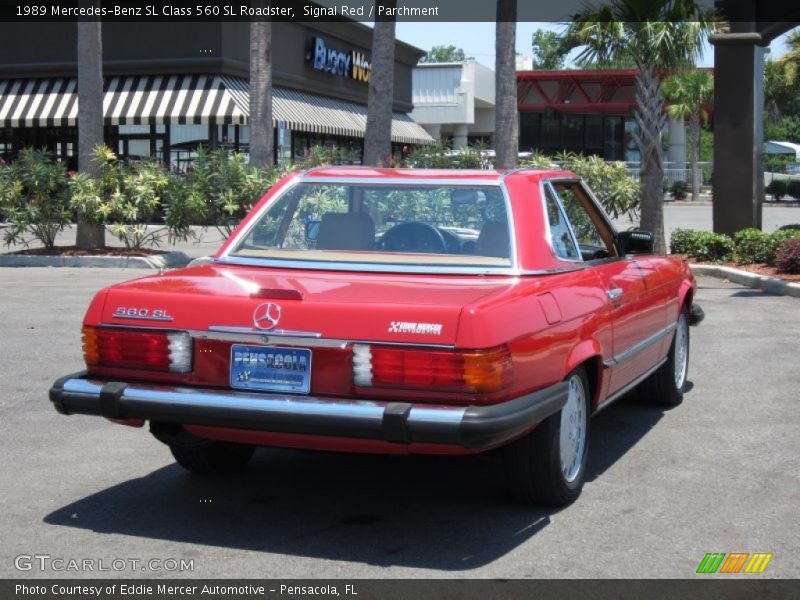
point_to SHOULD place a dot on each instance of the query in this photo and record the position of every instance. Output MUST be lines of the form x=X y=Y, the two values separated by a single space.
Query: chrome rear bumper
x=474 y=427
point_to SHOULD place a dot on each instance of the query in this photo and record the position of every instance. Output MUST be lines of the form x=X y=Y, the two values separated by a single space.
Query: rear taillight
x=471 y=371
x=129 y=348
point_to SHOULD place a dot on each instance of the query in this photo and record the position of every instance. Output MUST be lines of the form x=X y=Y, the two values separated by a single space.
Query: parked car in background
x=397 y=311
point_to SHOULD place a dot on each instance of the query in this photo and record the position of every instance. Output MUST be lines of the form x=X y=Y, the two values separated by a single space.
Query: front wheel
x=666 y=386
x=548 y=465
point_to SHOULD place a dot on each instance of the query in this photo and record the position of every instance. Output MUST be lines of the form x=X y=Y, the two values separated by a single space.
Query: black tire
x=533 y=463
x=662 y=387
x=213 y=457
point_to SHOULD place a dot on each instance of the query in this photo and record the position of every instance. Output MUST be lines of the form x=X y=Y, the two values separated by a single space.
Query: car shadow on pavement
x=619 y=428
x=445 y=513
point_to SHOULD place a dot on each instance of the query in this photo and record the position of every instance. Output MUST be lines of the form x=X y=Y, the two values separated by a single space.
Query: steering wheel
x=413 y=237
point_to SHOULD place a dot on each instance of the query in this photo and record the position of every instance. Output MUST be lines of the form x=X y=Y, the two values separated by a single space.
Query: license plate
x=271 y=369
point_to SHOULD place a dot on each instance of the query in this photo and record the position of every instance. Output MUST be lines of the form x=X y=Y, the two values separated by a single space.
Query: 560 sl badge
x=142 y=314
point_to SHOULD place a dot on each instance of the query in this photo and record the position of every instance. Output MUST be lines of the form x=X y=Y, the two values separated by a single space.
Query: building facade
x=172 y=87
x=455 y=101
x=586 y=111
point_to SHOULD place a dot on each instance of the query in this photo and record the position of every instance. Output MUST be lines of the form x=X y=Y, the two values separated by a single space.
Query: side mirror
x=635 y=242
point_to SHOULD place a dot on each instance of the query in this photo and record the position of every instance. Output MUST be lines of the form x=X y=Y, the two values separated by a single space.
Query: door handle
x=615 y=295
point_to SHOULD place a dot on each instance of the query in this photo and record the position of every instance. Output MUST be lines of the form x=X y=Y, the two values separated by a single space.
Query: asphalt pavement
x=720 y=473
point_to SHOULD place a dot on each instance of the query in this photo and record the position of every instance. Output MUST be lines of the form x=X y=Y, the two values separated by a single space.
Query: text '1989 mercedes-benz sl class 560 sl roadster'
x=397 y=311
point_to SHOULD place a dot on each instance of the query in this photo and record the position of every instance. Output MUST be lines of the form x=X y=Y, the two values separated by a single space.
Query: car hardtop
x=466 y=176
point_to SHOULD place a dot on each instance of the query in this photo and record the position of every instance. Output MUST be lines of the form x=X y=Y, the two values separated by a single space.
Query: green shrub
x=788 y=257
x=130 y=199
x=790 y=227
x=34 y=195
x=702 y=245
x=777 y=188
x=319 y=156
x=441 y=156
x=793 y=188
x=617 y=191
x=226 y=187
x=712 y=247
x=679 y=190
x=755 y=246
x=681 y=240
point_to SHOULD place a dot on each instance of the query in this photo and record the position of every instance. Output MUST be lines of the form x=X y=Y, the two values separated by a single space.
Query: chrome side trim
x=365 y=267
x=254 y=336
x=646 y=343
x=138 y=318
x=270 y=332
x=627 y=388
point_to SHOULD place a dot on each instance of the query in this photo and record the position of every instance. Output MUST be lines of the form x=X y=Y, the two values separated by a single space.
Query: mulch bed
x=75 y=251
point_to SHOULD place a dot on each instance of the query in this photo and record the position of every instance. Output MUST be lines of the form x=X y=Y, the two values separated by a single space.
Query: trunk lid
x=420 y=309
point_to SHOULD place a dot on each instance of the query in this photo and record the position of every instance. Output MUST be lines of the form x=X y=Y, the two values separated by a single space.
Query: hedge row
x=40 y=199
x=749 y=246
x=778 y=188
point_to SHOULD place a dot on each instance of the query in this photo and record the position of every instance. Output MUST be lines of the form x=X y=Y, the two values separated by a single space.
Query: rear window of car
x=436 y=225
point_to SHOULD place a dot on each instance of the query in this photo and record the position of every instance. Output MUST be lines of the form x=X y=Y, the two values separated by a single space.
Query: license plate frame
x=254 y=369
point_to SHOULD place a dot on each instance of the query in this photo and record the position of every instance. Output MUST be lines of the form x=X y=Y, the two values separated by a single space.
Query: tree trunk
x=650 y=121
x=505 y=77
x=694 y=145
x=378 y=139
x=261 y=129
x=90 y=116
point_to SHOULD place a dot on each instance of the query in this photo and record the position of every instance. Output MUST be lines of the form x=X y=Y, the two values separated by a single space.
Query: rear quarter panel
x=543 y=350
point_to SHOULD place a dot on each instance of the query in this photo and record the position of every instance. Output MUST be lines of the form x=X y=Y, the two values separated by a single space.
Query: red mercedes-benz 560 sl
x=397 y=311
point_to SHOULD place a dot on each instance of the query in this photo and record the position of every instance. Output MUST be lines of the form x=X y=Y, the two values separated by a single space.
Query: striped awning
x=303 y=111
x=187 y=99
x=126 y=101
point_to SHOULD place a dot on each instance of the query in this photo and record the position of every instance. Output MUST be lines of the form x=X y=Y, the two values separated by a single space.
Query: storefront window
x=529 y=129
x=631 y=149
x=299 y=145
x=551 y=133
x=594 y=135
x=612 y=139
x=572 y=133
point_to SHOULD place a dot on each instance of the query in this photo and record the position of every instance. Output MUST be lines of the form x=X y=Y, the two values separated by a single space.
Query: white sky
x=477 y=39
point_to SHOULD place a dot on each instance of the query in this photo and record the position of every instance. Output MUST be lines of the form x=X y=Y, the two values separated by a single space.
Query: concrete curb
x=771 y=285
x=170 y=260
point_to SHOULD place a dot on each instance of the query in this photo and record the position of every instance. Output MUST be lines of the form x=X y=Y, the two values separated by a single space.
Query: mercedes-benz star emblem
x=266 y=316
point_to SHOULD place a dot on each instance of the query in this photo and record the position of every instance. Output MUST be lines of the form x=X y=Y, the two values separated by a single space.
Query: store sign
x=350 y=64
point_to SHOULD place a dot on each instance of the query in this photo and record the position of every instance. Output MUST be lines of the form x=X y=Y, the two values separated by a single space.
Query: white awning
x=303 y=111
x=137 y=100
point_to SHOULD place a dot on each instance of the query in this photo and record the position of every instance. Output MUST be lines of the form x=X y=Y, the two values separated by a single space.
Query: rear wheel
x=666 y=386
x=213 y=457
x=548 y=465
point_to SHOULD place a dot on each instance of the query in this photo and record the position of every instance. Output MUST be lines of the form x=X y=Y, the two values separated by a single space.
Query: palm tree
x=378 y=138
x=790 y=62
x=261 y=129
x=657 y=34
x=687 y=92
x=505 y=78
x=90 y=116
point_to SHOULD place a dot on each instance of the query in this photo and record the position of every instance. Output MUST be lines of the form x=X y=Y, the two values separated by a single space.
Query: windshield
x=439 y=225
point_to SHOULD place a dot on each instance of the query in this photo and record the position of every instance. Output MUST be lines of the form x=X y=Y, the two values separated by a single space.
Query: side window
x=594 y=238
x=560 y=235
